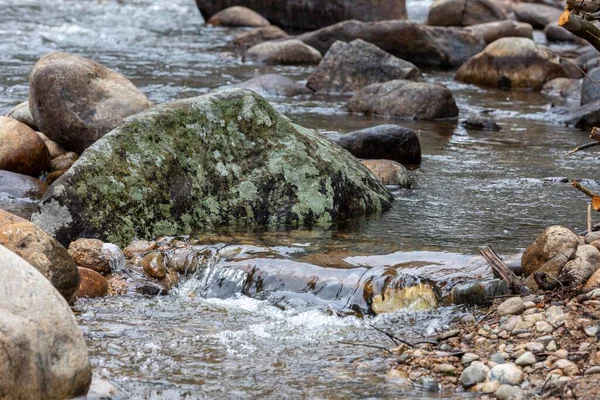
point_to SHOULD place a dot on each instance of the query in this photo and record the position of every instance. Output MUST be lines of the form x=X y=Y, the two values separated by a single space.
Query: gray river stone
x=227 y=158
x=42 y=351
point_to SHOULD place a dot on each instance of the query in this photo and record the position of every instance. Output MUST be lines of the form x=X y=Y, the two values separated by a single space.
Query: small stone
x=529 y=304
x=584 y=346
x=498 y=358
x=507 y=373
x=445 y=368
x=532 y=311
x=428 y=384
x=592 y=370
x=561 y=353
x=512 y=306
x=511 y=322
x=522 y=326
x=485 y=387
x=474 y=374
x=555 y=316
x=545 y=339
x=508 y=392
x=468 y=358
x=543 y=327
x=534 y=317
x=154 y=265
x=92 y=284
x=88 y=253
x=568 y=367
x=526 y=359
x=592 y=331
x=552 y=346
x=534 y=347
x=449 y=334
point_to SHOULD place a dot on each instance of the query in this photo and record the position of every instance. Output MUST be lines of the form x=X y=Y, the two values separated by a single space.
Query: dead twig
x=583 y=189
x=374 y=346
x=501 y=270
x=398 y=340
x=583 y=147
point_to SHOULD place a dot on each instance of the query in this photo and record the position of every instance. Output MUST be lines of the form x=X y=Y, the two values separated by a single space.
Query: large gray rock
x=463 y=12
x=226 y=158
x=75 y=101
x=42 y=351
x=348 y=67
x=272 y=85
x=410 y=41
x=311 y=14
x=405 y=99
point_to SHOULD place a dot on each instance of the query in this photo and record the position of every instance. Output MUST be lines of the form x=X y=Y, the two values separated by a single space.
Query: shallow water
x=473 y=189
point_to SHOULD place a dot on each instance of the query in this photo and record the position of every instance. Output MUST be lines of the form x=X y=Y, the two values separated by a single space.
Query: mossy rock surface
x=223 y=159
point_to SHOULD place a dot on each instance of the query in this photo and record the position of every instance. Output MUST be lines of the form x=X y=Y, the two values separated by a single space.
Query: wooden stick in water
x=583 y=189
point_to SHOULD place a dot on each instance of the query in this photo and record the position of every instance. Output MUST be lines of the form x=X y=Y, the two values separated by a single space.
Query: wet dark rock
x=238 y=16
x=287 y=52
x=477 y=123
x=272 y=85
x=92 y=284
x=410 y=41
x=478 y=293
x=492 y=31
x=139 y=248
x=555 y=33
x=538 y=15
x=75 y=101
x=160 y=173
x=463 y=12
x=348 y=67
x=21 y=149
x=91 y=254
x=41 y=251
x=150 y=289
x=388 y=142
x=564 y=88
x=21 y=186
x=64 y=161
x=511 y=63
x=405 y=99
x=389 y=172
x=154 y=265
x=259 y=35
x=583 y=117
x=311 y=14
x=590 y=91
x=42 y=352
x=22 y=114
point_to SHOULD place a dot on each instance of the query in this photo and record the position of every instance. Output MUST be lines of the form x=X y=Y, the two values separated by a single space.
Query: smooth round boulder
x=92 y=284
x=238 y=16
x=272 y=85
x=91 y=254
x=555 y=243
x=492 y=31
x=75 y=101
x=349 y=67
x=564 y=88
x=42 y=351
x=388 y=142
x=287 y=52
x=538 y=15
x=40 y=250
x=259 y=35
x=463 y=12
x=405 y=99
x=21 y=149
x=388 y=172
x=22 y=114
x=511 y=63
x=21 y=186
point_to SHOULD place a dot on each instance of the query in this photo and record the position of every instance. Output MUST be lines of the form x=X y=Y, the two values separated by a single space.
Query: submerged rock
x=463 y=12
x=75 y=101
x=42 y=351
x=405 y=99
x=348 y=67
x=259 y=35
x=287 y=52
x=389 y=172
x=478 y=123
x=238 y=16
x=492 y=31
x=410 y=41
x=226 y=158
x=22 y=114
x=272 y=85
x=21 y=149
x=388 y=142
x=511 y=63
x=41 y=251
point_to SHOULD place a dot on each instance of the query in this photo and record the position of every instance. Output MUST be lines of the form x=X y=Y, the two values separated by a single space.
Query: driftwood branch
x=580 y=27
x=588 y=6
x=583 y=189
x=501 y=271
x=583 y=147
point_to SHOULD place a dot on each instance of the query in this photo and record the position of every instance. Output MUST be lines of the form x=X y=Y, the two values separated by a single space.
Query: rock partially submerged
x=463 y=12
x=287 y=52
x=42 y=351
x=348 y=67
x=492 y=31
x=389 y=172
x=272 y=85
x=564 y=89
x=259 y=35
x=226 y=158
x=238 y=16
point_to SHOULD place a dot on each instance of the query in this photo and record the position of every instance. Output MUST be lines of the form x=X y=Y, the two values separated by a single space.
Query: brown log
x=580 y=27
x=584 y=5
x=583 y=189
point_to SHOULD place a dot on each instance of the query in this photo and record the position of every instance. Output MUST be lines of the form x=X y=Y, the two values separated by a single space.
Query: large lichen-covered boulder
x=42 y=352
x=225 y=158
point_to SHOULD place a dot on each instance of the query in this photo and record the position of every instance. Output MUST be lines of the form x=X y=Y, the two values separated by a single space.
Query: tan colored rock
x=21 y=149
x=41 y=251
x=42 y=352
x=492 y=31
x=511 y=63
x=92 y=284
x=22 y=114
x=388 y=172
x=139 y=248
x=288 y=52
x=593 y=282
x=75 y=101
x=89 y=253
x=154 y=265
x=418 y=297
x=463 y=12
x=556 y=244
x=64 y=161
x=583 y=266
x=54 y=176
x=259 y=35
x=238 y=16
x=117 y=286
x=54 y=148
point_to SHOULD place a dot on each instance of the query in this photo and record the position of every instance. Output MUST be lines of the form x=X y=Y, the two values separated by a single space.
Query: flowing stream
x=472 y=189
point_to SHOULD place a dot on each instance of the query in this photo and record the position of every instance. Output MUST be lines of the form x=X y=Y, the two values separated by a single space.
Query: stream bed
x=472 y=189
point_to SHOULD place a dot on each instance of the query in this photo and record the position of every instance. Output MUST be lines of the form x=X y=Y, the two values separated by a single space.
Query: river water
x=472 y=189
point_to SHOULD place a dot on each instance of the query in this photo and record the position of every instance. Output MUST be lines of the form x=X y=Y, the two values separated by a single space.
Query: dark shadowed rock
x=590 y=91
x=42 y=351
x=492 y=31
x=75 y=101
x=21 y=149
x=226 y=158
x=259 y=35
x=21 y=186
x=564 y=89
x=238 y=16
x=54 y=148
x=405 y=99
x=463 y=12
x=41 y=251
x=389 y=142
x=22 y=114
x=311 y=14
x=272 y=85
x=388 y=172
x=478 y=123
x=555 y=33
x=538 y=15
x=511 y=63
x=288 y=52
x=416 y=43
x=583 y=117
x=348 y=67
